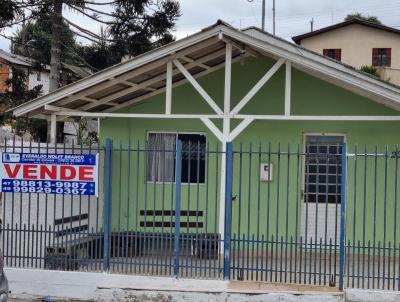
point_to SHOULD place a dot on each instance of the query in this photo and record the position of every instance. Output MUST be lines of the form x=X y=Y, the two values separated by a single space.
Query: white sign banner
x=70 y=174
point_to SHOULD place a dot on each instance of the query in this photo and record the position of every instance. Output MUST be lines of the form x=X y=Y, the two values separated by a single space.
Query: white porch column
x=168 y=92
x=53 y=128
x=288 y=88
x=225 y=137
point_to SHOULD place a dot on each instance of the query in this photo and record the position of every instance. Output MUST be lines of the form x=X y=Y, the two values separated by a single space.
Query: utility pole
x=55 y=51
x=273 y=17
x=263 y=15
x=55 y=64
x=312 y=24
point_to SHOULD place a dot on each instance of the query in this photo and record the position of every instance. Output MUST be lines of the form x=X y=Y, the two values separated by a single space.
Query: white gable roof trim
x=300 y=58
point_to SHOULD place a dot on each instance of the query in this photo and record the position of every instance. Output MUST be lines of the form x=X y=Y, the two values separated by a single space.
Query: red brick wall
x=4 y=74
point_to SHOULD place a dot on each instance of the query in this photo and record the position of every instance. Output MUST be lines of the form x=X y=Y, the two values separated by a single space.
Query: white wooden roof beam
x=253 y=91
x=112 y=80
x=198 y=87
x=190 y=60
x=288 y=87
x=175 y=84
x=151 y=81
x=247 y=118
x=241 y=47
x=214 y=129
x=168 y=87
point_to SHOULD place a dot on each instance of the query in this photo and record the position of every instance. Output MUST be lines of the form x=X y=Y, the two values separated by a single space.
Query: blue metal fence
x=319 y=214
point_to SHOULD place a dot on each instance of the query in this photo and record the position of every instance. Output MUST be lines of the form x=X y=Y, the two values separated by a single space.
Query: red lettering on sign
x=67 y=173
x=51 y=172
x=12 y=173
x=86 y=173
x=29 y=171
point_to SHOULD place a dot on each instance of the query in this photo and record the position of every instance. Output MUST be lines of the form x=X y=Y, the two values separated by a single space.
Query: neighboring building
x=357 y=43
x=70 y=73
x=260 y=93
x=35 y=76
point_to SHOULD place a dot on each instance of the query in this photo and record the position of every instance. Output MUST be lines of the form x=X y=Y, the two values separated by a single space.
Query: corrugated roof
x=16 y=59
x=80 y=71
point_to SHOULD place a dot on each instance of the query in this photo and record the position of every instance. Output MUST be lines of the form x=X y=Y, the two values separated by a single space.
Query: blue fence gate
x=318 y=213
x=163 y=208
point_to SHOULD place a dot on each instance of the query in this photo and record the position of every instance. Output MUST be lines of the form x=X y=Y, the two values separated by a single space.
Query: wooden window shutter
x=388 y=57
x=338 y=54
x=375 y=56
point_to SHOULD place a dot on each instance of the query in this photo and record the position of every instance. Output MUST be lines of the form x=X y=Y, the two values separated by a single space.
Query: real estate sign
x=70 y=174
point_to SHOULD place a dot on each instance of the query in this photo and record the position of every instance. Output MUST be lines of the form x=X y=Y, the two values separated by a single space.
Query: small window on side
x=333 y=53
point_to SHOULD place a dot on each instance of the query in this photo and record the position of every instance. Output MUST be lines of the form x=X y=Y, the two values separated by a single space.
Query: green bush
x=372 y=70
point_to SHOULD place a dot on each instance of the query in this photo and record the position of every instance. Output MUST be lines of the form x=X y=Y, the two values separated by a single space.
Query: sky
x=292 y=16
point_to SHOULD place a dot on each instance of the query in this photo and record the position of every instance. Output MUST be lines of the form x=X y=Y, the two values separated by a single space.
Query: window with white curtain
x=161 y=157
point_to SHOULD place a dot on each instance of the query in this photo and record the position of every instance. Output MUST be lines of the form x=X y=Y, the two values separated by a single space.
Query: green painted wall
x=310 y=96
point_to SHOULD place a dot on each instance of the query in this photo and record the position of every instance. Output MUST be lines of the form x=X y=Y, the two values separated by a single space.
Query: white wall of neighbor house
x=71 y=129
x=39 y=78
x=356 y=42
x=390 y=74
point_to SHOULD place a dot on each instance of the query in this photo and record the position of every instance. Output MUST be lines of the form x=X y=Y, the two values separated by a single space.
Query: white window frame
x=177 y=133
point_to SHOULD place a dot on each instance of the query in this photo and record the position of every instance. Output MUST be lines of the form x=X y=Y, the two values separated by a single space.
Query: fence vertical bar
x=343 y=216
x=107 y=204
x=178 y=176
x=228 y=210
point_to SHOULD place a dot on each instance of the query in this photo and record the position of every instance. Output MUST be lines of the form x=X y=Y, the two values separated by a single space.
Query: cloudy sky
x=292 y=16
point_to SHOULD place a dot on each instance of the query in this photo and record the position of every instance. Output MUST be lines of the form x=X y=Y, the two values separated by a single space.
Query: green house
x=290 y=115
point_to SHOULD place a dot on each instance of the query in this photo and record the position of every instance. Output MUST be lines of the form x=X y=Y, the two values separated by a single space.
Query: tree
x=134 y=26
x=34 y=40
x=371 y=19
x=98 y=55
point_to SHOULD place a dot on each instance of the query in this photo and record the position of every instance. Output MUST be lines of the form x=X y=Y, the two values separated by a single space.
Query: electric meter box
x=266 y=172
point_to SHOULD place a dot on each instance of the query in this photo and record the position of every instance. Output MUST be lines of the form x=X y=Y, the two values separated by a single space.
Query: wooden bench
x=157 y=237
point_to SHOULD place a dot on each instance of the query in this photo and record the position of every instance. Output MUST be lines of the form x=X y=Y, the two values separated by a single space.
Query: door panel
x=320 y=212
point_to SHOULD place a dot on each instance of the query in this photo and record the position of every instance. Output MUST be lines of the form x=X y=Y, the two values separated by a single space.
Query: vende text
x=49 y=172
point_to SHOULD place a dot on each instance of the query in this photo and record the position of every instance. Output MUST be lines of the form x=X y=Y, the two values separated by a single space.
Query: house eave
x=302 y=59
